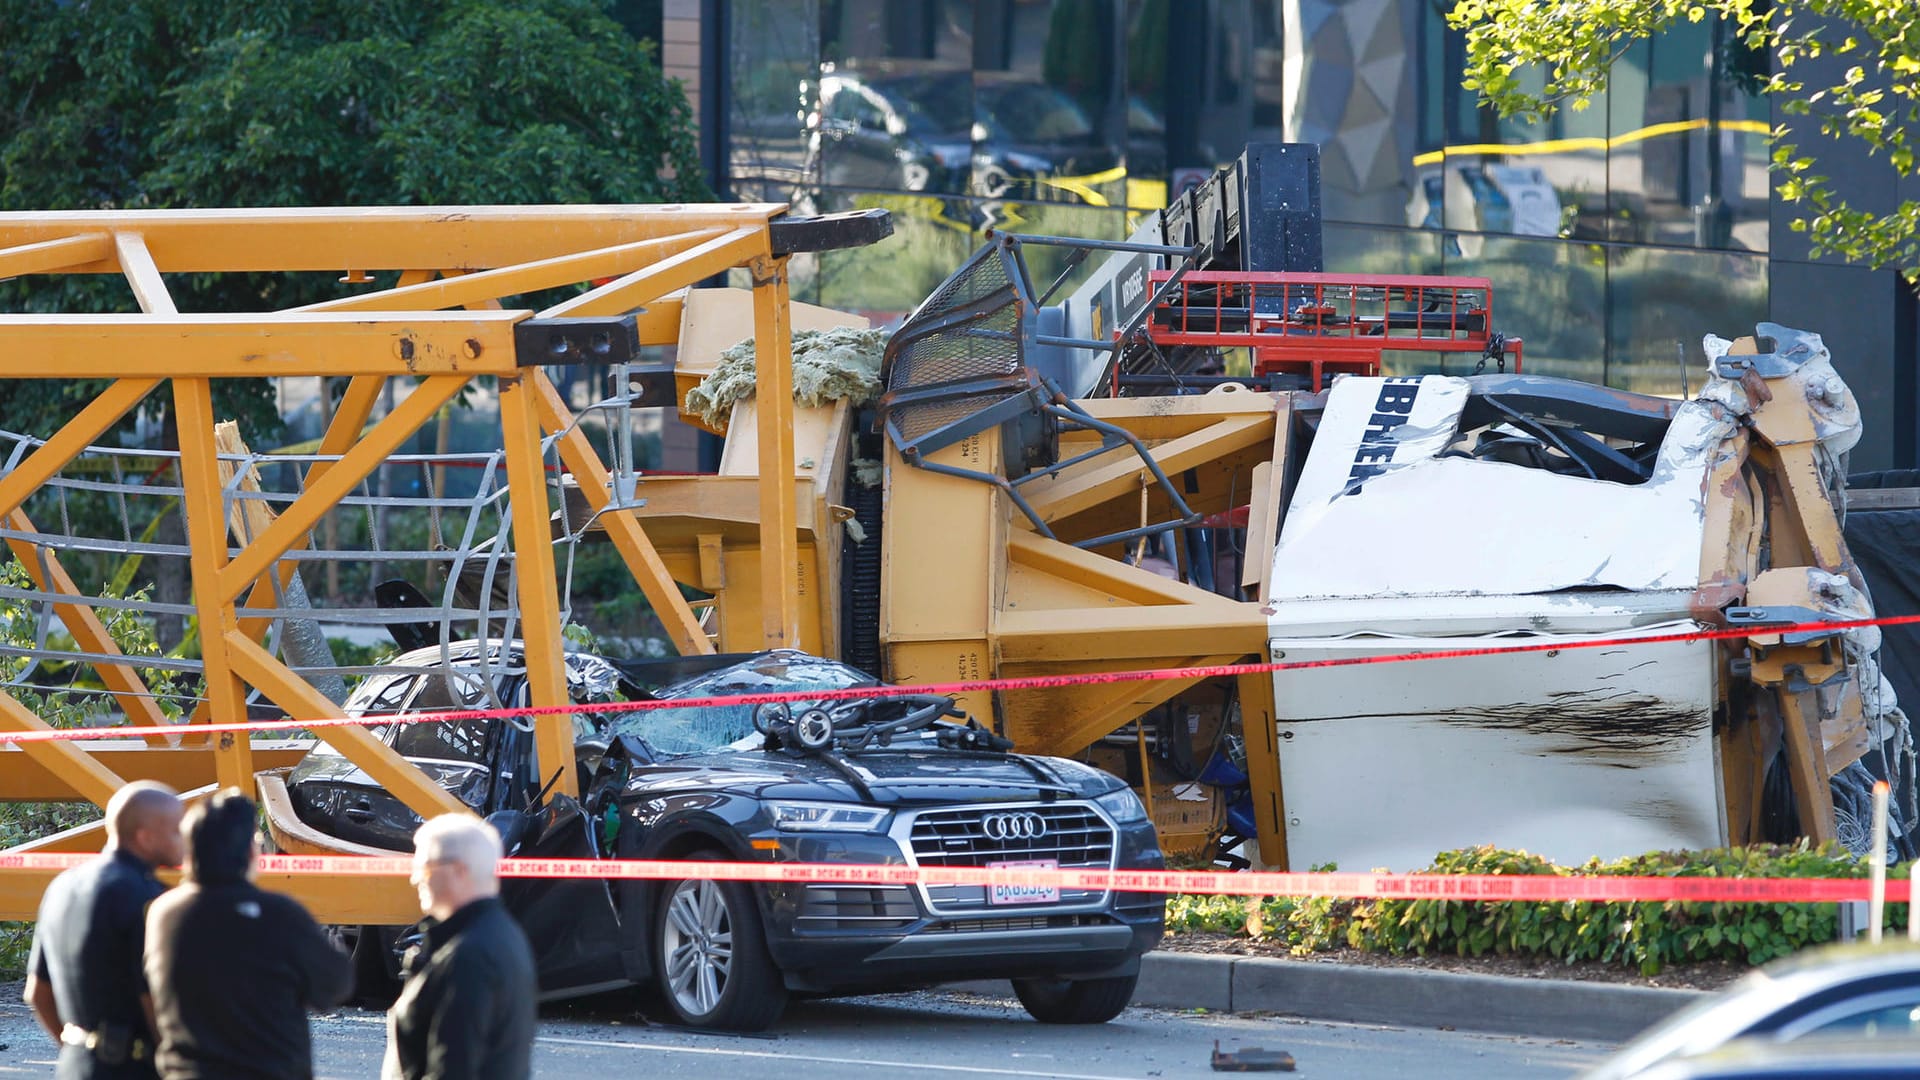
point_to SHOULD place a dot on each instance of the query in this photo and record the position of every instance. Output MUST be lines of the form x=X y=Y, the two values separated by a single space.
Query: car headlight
x=827 y=817
x=1123 y=806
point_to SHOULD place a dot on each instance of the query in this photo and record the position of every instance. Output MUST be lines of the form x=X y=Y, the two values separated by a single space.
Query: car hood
x=880 y=777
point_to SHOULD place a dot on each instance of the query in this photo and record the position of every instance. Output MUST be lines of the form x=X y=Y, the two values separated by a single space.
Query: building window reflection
x=1073 y=116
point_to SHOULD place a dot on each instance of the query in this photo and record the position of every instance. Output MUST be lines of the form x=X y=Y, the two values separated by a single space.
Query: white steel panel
x=1569 y=754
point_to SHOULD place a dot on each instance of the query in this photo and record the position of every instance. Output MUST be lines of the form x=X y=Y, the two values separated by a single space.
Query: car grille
x=1075 y=837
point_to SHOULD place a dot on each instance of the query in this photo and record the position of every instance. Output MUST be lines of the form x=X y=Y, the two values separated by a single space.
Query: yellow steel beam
x=1260 y=735
x=1156 y=419
x=1807 y=761
x=642 y=559
x=1266 y=505
x=1805 y=494
x=936 y=620
x=206 y=516
x=1263 y=528
x=1121 y=476
x=1731 y=545
x=20 y=892
x=364 y=901
x=1784 y=420
x=129 y=691
x=136 y=262
x=382 y=763
x=773 y=398
x=659 y=322
x=255 y=346
x=468 y=288
x=74 y=436
x=539 y=597
x=23 y=779
x=372 y=238
x=693 y=500
x=1126 y=633
x=1070 y=720
x=1075 y=605
x=1127 y=585
x=92 y=836
x=349 y=417
x=676 y=272
x=46 y=256
x=738 y=606
x=326 y=491
x=90 y=779
x=713 y=562
x=329 y=898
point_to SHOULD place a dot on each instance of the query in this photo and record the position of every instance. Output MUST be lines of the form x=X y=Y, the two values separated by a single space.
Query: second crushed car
x=884 y=780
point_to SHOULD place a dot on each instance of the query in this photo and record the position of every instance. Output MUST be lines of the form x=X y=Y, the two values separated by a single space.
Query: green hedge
x=1644 y=935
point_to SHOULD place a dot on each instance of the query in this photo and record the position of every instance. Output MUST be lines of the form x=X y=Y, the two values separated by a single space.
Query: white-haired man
x=84 y=978
x=467 y=1007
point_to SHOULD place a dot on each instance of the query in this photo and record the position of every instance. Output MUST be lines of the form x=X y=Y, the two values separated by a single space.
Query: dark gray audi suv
x=888 y=780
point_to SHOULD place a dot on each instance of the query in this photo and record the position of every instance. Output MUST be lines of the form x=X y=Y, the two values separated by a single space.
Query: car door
x=570 y=922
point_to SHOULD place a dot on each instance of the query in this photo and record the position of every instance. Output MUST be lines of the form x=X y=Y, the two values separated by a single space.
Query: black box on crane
x=1261 y=212
x=1279 y=207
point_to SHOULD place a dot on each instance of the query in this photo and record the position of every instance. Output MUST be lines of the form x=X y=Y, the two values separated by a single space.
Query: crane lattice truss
x=441 y=325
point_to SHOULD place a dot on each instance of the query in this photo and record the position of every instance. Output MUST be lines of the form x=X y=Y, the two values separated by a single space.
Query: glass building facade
x=1615 y=235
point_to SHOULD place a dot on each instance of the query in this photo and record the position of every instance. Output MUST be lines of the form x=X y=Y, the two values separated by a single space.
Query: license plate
x=1024 y=894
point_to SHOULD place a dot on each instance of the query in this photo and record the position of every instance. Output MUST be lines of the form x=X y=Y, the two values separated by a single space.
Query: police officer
x=84 y=977
x=233 y=969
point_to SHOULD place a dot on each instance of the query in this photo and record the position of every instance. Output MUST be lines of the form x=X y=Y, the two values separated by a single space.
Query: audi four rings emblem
x=1025 y=826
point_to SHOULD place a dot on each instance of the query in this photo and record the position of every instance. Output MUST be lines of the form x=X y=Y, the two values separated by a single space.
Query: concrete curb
x=1402 y=997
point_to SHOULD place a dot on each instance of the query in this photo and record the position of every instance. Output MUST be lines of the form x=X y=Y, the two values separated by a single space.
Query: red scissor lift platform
x=1316 y=325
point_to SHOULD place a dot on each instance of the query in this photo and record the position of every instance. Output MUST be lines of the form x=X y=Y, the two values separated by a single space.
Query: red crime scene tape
x=1219 y=883
x=1225 y=883
x=1027 y=682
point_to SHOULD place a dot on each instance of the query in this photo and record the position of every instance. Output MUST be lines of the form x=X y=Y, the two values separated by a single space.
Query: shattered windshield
x=703 y=728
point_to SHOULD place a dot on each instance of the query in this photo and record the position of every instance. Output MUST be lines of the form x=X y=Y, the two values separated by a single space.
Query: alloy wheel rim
x=698 y=944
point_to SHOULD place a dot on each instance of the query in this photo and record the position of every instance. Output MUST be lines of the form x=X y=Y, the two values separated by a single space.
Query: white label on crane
x=1371 y=426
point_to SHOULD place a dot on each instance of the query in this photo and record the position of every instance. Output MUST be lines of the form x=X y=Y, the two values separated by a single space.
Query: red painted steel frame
x=1327 y=323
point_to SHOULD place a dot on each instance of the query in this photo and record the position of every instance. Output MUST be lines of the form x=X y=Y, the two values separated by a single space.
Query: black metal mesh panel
x=964 y=352
x=979 y=349
x=987 y=272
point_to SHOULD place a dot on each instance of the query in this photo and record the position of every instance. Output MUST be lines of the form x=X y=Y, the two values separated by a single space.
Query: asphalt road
x=928 y=1036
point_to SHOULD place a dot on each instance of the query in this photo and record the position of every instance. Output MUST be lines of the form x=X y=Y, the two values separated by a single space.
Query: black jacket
x=233 y=971
x=468 y=1008
x=87 y=946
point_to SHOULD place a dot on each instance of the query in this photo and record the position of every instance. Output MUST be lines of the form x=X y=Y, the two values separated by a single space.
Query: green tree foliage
x=203 y=103
x=1876 y=101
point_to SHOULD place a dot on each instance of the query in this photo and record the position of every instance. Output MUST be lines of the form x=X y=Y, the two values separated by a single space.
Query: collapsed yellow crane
x=441 y=324
x=1021 y=518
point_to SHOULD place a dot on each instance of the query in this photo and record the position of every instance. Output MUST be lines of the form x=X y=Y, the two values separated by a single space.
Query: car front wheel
x=1075 y=1001
x=711 y=955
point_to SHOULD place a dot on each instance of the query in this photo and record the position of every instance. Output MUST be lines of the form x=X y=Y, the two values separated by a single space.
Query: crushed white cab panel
x=1380 y=512
x=1570 y=754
